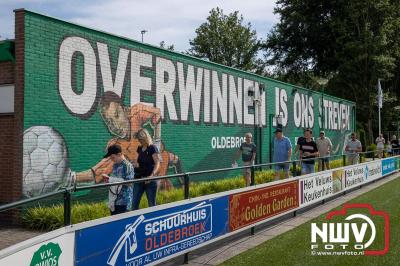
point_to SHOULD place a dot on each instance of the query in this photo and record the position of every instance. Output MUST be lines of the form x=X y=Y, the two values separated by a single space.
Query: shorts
x=247 y=170
x=282 y=167
x=323 y=160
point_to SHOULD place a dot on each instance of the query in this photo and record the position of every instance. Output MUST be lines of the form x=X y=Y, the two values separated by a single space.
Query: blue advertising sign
x=388 y=166
x=149 y=237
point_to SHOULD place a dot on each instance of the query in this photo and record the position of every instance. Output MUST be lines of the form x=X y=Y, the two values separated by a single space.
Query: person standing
x=248 y=151
x=147 y=165
x=300 y=140
x=395 y=145
x=380 y=145
x=119 y=197
x=324 y=146
x=282 y=153
x=308 y=151
x=353 y=147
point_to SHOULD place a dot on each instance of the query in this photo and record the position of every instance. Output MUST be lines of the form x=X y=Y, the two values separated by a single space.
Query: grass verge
x=294 y=246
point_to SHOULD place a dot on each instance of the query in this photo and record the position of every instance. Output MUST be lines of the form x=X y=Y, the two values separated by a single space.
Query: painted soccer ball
x=45 y=166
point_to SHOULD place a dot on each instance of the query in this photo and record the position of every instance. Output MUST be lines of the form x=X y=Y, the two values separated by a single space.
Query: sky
x=173 y=21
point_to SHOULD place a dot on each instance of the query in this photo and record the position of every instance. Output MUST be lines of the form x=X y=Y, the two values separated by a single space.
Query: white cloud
x=173 y=21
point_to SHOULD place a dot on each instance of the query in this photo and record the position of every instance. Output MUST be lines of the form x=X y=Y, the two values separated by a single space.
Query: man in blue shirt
x=282 y=153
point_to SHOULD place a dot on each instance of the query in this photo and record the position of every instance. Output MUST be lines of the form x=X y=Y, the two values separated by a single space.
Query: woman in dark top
x=147 y=165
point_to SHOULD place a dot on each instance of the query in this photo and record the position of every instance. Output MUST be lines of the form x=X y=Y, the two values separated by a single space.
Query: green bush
x=371 y=147
x=51 y=217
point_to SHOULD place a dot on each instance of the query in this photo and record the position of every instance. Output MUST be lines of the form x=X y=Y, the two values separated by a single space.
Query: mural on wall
x=99 y=89
x=45 y=161
x=124 y=122
x=46 y=158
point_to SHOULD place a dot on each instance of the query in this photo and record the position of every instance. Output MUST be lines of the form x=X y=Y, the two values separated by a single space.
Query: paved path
x=215 y=254
x=13 y=235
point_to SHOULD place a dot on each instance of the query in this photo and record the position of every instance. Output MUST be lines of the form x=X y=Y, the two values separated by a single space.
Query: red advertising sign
x=250 y=207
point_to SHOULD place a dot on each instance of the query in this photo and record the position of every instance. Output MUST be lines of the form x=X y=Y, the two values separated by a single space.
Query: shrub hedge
x=52 y=217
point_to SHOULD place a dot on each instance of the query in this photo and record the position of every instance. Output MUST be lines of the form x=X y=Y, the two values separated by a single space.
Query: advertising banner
x=354 y=176
x=250 y=207
x=388 y=165
x=58 y=251
x=149 y=237
x=319 y=186
x=373 y=170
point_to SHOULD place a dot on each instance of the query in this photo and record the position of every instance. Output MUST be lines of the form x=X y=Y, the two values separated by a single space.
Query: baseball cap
x=113 y=149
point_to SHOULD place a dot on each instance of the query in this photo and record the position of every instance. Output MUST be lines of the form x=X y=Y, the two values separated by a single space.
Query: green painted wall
x=49 y=41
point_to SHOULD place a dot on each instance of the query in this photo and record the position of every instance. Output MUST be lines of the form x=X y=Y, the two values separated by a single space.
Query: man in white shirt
x=380 y=145
x=353 y=147
x=324 y=146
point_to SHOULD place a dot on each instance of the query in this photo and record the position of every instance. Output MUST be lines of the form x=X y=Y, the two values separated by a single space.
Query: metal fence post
x=186 y=192
x=67 y=207
x=294 y=168
x=186 y=186
x=252 y=183
x=344 y=160
x=252 y=178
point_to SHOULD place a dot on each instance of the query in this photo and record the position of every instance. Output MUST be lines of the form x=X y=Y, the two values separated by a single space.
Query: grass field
x=294 y=247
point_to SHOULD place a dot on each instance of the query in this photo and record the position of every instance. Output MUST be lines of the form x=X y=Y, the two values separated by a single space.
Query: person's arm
x=316 y=152
x=96 y=172
x=359 y=148
x=347 y=147
x=329 y=146
x=253 y=157
x=289 y=147
x=156 y=159
x=296 y=150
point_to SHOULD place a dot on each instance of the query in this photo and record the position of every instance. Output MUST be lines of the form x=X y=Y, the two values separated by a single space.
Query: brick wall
x=7 y=139
x=6 y=73
x=11 y=129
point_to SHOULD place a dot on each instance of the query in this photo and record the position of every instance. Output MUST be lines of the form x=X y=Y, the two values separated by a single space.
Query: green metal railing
x=187 y=178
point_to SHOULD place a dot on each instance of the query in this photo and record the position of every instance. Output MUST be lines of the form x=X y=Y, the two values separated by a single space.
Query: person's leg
x=303 y=168
x=277 y=172
x=151 y=193
x=248 y=177
x=286 y=170
x=311 y=168
x=349 y=160
x=247 y=173
x=138 y=189
x=327 y=167
x=354 y=160
x=119 y=209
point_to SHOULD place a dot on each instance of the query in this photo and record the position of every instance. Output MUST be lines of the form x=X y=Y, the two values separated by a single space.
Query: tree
x=353 y=43
x=224 y=39
x=168 y=47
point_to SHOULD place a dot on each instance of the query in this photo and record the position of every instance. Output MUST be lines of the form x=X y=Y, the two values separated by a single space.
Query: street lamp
x=255 y=97
x=322 y=82
x=143 y=32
